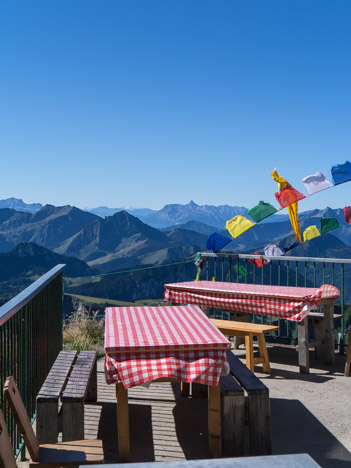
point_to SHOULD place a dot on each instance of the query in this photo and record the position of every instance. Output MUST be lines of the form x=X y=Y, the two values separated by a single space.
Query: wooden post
x=249 y=352
x=329 y=353
x=233 y=416
x=122 y=423
x=318 y=333
x=264 y=353
x=303 y=350
x=260 y=423
x=73 y=420
x=214 y=421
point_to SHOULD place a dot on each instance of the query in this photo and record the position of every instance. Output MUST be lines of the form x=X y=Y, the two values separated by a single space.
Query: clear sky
x=141 y=103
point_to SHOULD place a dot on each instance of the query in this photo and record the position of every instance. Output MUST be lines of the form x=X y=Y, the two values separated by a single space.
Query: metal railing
x=30 y=340
x=285 y=271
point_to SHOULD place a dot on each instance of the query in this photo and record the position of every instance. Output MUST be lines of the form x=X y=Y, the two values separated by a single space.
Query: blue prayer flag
x=341 y=173
x=216 y=242
x=291 y=246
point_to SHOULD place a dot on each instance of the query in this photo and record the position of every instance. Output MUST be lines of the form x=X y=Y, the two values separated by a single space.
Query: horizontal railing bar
x=282 y=258
x=16 y=303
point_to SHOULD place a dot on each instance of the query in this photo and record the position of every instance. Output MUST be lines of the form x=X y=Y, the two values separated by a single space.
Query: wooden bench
x=259 y=416
x=48 y=421
x=249 y=330
x=68 y=372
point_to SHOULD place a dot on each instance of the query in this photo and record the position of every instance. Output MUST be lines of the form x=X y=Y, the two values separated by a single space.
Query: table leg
x=214 y=421
x=122 y=423
x=249 y=352
x=264 y=353
x=328 y=324
x=303 y=350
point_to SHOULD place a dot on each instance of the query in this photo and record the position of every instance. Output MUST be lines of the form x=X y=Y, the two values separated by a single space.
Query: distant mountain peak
x=19 y=205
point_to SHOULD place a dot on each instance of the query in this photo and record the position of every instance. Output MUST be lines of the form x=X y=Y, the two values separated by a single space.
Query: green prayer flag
x=328 y=224
x=261 y=211
x=240 y=270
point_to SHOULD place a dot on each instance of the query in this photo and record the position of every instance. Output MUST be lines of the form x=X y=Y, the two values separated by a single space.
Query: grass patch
x=84 y=332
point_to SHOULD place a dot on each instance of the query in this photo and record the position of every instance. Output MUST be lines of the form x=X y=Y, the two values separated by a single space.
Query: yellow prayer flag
x=292 y=209
x=310 y=233
x=281 y=182
x=237 y=225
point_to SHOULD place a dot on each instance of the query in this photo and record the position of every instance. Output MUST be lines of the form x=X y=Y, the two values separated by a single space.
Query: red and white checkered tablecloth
x=292 y=303
x=147 y=343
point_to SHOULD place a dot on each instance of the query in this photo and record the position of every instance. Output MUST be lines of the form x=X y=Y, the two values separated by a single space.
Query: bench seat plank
x=47 y=401
x=81 y=387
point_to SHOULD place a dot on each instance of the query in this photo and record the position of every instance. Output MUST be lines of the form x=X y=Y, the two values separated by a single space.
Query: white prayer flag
x=316 y=182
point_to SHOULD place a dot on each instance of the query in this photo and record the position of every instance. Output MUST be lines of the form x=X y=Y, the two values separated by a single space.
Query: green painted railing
x=287 y=271
x=30 y=340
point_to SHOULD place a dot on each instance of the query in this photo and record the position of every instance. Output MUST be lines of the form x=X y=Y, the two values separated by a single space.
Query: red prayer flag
x=288 y=195
x=347 y=214
x=258 y=262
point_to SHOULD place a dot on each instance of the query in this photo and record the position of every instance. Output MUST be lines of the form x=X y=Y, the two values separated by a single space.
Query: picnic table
x=284 y=302
x=168 y=343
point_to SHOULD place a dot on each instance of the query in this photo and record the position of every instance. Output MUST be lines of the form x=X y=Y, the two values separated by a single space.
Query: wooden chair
x=79 y=452
x=7 y=456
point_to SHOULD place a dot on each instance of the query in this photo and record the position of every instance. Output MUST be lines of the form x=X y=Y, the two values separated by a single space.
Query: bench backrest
x=7 y=456
x=21 y=416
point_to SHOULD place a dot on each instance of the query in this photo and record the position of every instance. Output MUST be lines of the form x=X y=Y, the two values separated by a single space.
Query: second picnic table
x=173 y=343
x=286 y=302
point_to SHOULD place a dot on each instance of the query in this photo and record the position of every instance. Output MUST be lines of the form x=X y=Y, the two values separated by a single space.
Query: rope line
x=131 y=270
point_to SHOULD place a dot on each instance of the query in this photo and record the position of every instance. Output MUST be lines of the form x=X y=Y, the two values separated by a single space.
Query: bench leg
x=264 y=353
x=72 y=421
x=318 y=334
x=214 y=421
x=122 y=423
x=260 y=424
x=328 y=322
x=233 y=422
x=249 y=352
x=47 y=423
x=303 y=352
x=91 y=395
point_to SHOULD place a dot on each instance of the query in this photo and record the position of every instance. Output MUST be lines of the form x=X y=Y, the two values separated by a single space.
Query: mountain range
x=31 y=240
x=28 y=261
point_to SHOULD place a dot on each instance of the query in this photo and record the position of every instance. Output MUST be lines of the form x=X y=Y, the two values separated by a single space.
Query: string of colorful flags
x=287 y=197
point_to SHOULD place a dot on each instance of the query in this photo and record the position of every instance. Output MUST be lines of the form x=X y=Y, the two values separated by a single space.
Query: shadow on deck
x=166 y=427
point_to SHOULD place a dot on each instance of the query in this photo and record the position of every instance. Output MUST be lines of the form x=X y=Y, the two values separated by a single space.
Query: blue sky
x=144 y=103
